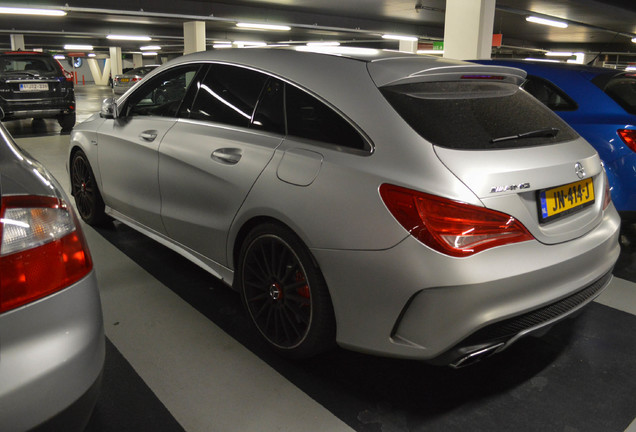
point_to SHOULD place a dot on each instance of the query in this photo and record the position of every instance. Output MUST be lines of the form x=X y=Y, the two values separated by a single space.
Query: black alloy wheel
x=284 y=293
x=88 y=200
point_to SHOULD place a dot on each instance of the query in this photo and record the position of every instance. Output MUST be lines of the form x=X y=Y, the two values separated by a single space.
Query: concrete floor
x=183 y=357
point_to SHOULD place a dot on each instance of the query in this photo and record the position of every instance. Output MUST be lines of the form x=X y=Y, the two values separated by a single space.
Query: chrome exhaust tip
x=476 y=356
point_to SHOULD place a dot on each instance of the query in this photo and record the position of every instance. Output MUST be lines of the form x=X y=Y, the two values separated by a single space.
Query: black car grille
x=506 y=329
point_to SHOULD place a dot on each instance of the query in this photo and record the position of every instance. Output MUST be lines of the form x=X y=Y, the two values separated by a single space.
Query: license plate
x=34 y=87
x=566 y=199
x=124 y=80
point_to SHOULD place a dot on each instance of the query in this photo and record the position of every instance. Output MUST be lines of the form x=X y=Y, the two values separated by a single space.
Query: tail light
x=450 y=227
x=42 y=249
x=629 y=137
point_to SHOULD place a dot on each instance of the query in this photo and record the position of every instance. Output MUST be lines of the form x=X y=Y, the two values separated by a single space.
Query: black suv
x=34 y=85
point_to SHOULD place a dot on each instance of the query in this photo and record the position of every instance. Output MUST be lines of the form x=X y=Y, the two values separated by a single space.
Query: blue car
x=600 y=104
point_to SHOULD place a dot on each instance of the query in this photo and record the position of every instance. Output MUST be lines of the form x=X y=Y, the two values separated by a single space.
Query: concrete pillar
x=17 y=42
x=115 y=61
x=100 y=77
x=193 y=36
x=138 y=60
x=408 y=46
x=468 y=29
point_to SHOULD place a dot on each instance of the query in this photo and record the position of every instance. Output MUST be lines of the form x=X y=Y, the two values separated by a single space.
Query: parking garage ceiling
x=593 y=26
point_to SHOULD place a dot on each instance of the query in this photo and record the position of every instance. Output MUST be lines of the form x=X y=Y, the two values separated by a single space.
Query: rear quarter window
x=622 y=89
x=549 y=94
x=470 y=115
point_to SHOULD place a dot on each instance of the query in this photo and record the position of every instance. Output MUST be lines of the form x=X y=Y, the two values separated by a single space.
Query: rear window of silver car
x=476 y=115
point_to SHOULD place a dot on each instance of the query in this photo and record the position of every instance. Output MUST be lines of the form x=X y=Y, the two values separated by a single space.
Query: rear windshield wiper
x=548 y=133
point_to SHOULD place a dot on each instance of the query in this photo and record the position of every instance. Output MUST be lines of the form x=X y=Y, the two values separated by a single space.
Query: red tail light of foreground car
x=42 y=249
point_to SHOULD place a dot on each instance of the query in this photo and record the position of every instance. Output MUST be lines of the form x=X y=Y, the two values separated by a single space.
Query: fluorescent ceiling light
x=256 y=26
x=559 y=54
x=31 y=11
x=545 y=21
x=222 y=45
x=542 y=60
x=430 y=51
x=339 y=50
x=399 y=37
x=150 y=48
x=149 y=53
x=92 y=55
x=59 y=57
x=326 y=43
x=128 y=37
x=242 y=44
x=78 y=47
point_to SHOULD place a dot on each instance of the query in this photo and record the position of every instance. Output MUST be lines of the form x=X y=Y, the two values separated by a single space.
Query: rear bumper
x=47 y=108
x=411 y=302
x=51 y=359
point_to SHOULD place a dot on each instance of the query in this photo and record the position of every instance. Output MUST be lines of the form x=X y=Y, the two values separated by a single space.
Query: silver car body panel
x=52 y=350
x=391 y=294
x=131 y=184
x=218 y=166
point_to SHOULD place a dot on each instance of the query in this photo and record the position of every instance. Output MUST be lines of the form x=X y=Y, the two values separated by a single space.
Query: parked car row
x=440 y=214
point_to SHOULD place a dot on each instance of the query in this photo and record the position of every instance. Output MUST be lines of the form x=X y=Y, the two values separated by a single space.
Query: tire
x=284 y=293
x=88 y=200
x=67 y=121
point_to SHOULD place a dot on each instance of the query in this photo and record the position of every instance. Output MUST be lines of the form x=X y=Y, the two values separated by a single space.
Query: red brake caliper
x=303 y=290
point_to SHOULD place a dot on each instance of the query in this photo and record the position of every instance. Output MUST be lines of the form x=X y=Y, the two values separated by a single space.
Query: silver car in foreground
x=394 y=204
x=51 y=331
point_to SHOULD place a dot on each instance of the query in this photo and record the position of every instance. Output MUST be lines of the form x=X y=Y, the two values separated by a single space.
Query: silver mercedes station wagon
x=394 y=204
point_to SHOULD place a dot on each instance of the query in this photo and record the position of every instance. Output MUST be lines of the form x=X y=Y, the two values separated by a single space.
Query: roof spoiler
x=388 y=73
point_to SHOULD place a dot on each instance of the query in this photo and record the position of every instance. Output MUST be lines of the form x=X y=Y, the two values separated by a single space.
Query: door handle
x=229 y=156
x=148 y=135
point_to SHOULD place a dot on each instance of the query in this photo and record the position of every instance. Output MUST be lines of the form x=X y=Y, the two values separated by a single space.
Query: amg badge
x=497 y=189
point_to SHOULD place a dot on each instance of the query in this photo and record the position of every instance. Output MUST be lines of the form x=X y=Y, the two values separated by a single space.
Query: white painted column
x=100 y=77
x=468 y=29
x=193 y=36
x=17 y=42
x=138 y=60
x=408 y=46
x=115 y=61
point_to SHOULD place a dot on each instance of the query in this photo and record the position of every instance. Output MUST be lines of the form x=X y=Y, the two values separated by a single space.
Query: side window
x=548 y=94
x=307 y=117
x=163 y=95
x=270 y=111
x=228 y=95
x=622 y=89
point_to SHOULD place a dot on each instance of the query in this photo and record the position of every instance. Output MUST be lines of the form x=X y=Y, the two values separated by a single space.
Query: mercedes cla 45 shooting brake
x=394 y=204
x=51 y=331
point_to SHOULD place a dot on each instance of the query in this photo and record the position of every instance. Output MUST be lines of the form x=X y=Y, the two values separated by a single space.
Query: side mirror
x=109 y=108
